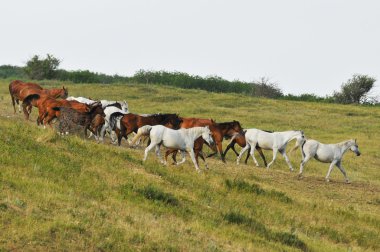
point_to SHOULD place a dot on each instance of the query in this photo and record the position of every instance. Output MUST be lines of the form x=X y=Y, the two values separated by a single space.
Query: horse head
x=237 y=126
x=207 y=135
x=96 y=108
x=172 y=121
x=64 y=93
x=354 y=147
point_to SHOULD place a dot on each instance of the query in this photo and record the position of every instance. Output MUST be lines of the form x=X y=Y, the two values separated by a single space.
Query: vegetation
x=39 y=69
x=70 y=193
x=356 y=90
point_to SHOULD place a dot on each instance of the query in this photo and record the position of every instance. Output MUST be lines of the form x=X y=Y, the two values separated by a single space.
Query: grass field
x=69 y=193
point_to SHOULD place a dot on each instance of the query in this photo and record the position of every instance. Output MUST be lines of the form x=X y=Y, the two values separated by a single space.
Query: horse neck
x=344 y=146
x=195 y=132
x=290 y=135
x=55 y=92
x=225 y=128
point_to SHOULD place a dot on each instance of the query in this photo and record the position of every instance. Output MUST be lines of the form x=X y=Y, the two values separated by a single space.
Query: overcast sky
x=305 y=46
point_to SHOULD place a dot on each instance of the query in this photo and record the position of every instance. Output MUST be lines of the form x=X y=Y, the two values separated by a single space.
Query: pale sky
x=305 y=46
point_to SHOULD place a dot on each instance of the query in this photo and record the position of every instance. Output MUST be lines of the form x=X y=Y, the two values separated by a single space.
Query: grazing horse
x=276 y=141
x=181 y=139
x=327 y=153
x=15 y=87
x=219 y=130
x=240 y=140
x=132 y=122
x=69 y=118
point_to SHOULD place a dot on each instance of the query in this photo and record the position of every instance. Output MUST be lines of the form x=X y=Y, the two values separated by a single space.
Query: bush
x=355 y=90
x=39 y=69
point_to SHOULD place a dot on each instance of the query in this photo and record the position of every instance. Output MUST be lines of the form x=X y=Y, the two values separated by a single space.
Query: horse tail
x=303 y=152
x=143 y=131
x=299 y=142
x=113 y=119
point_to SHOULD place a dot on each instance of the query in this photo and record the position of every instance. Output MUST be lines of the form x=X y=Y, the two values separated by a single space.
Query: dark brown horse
x=70 y=118
x=219 y=130
x=132 y=122
x=240 y=140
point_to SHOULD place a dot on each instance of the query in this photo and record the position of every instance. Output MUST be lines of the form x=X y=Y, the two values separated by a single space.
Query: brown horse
x=132 y=122
x=15 y=88
x=70 y=118
x=52 y=93
x=45 y=105
x=218 y=130
x=240 y=140
x=19 y=91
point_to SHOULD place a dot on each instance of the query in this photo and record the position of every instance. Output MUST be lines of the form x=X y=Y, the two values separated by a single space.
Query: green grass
x=70 y=193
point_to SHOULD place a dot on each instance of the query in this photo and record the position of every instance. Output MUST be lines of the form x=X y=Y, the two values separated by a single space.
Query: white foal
x=276 y=141
x=327 y=153
x=181 y=139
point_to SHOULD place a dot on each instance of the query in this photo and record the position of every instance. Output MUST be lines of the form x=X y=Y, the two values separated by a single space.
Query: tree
x=37 y=68
x=355 y=90
x=265 y=88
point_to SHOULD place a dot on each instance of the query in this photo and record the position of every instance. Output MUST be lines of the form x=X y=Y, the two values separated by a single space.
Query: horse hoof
x=300 y=176
x=327 y=180
x=348 y=182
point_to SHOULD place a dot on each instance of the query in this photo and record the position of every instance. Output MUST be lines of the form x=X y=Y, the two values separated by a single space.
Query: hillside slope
x=69 y=193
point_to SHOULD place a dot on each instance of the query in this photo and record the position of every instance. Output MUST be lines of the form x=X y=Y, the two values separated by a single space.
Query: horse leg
x=339 y=165
x=158 y=154
x=147 y=149
x=19 y=105
x=25 y=110
x=275 y=150
x=333 y=163
x=103 y=132
x=247 y=157
x=283 y=153
x=303 y=162
x=220 y=150
x=167 y=153
x=183 y=157
x=241 y=153
x=13 y=102
x=200 y=154
x=260 y=151
x=252 y=151
x=192 y=155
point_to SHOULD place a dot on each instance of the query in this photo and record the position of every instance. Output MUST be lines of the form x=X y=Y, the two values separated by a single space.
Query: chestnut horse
x=240 y=140
x=218 y=130
x=20 y=90
x=132 y=122
x=15 y=88
x=45 y=105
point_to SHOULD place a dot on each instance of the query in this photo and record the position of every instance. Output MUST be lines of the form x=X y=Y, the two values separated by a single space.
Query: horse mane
x=116 y=104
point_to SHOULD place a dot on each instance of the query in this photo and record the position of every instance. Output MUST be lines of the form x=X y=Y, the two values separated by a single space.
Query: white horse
x=327 y=153
x=81 y=100
x=276 y=141
x=108 y=126
x=181 y=139
x=105 y=103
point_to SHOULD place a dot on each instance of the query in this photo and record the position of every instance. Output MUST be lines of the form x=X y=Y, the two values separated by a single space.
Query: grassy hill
x=70 y=193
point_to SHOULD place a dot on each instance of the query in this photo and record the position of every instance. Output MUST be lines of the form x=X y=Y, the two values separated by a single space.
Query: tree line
x=355 y=90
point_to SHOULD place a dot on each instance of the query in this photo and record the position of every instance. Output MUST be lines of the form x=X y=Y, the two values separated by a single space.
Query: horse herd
x=177 y=134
